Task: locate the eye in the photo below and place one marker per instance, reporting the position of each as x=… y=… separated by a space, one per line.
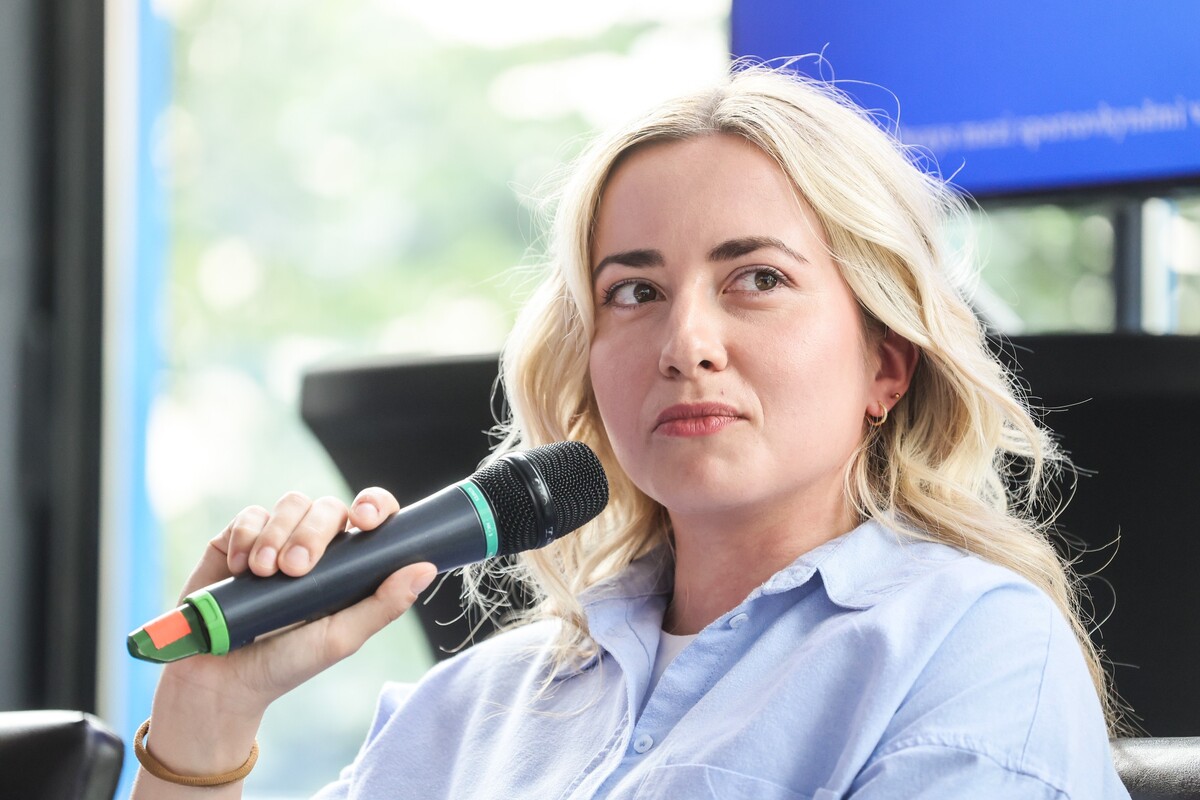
x=759 y=279
x=631 y=293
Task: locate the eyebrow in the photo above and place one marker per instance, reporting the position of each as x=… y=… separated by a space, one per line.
x=725 y=251
x=736 y=248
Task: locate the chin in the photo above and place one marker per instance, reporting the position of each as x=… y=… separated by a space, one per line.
x=702 y=480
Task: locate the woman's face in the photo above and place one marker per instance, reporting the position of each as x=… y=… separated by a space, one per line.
x=729 y=360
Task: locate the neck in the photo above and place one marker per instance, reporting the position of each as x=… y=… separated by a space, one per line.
x=721 y=558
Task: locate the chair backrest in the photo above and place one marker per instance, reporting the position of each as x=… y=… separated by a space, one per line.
x=1126 y=406
x=412 y=427
x=1159 y=769
x=58 y=755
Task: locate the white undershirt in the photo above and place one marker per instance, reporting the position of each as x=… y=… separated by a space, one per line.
x=669 y=646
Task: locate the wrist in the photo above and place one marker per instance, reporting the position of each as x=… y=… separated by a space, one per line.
x=195 y=732
x=164 y=773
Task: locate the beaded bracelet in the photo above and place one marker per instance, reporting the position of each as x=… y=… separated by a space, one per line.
x=155 y=767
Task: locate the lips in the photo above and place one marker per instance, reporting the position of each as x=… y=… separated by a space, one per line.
x=695 y=419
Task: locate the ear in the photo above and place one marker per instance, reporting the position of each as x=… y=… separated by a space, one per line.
x=897 y=363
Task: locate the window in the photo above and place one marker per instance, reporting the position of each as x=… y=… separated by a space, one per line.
x=1046 y=268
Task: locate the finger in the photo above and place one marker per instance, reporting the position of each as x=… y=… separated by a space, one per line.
x=264 y=555
x=241 y=535
x=371 y=507
x=325 y=518
x=297 y=655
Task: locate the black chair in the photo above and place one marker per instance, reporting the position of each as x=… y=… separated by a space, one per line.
x=412 y=427
x=58 y=755
x=1125 y=406
x=1159 y=769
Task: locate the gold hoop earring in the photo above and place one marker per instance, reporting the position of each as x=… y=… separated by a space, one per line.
x=877 y=422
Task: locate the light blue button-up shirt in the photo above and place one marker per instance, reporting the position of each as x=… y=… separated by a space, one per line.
x=875 y=666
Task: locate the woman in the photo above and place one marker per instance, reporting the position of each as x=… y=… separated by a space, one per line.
x=810 y=580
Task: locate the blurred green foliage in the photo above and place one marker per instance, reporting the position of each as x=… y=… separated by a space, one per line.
x=1050 y=265
x=1186 y=256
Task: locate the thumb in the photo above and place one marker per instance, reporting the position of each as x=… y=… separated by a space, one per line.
x=346 y=631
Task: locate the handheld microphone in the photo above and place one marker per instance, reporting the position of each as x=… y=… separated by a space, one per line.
x=521 y=501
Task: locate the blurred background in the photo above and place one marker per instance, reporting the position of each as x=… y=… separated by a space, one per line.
x=200 y=200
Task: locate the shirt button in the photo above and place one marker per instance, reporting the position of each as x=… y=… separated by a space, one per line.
x=642 y=743
x=738 y=620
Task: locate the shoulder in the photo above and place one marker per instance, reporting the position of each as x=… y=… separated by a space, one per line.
x=993 y=668
x=958 y=619
x=877 y=567
x=459 y=708
x=496 y=671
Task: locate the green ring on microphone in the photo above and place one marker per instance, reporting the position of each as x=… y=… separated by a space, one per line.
x=484 y=509
x=214 y=621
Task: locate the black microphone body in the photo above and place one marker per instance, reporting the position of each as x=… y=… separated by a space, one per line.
x=521 y=501
x=444 y=529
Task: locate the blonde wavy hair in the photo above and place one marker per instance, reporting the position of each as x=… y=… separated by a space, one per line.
x=960 y=460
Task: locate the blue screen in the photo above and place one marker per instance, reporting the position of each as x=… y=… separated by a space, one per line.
x=1018 y=97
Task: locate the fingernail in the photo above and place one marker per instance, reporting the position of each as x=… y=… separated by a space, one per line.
x=296 y=558
x=265 y=558
x=422 y=583
x=368 y=510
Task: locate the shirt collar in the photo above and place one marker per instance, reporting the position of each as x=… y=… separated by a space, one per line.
x=860 y=568
x=649 y=575
x=857 y=569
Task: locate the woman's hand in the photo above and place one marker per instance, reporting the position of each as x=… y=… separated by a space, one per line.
x=207 y=708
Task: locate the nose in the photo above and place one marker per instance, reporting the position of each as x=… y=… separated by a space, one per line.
x=693 y=342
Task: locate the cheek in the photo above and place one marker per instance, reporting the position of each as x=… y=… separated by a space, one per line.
x=820 y=385
x=610 y=382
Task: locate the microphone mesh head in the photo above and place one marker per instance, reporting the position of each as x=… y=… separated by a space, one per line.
x=576 y=483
